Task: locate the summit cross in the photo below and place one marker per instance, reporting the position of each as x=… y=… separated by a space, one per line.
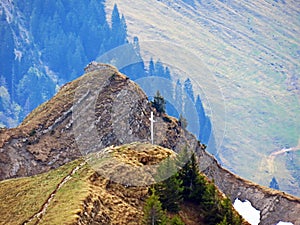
x=152 y=123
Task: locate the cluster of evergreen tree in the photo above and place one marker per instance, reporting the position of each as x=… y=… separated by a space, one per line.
x=184 y=97
x=187 y=185
x=51 y=47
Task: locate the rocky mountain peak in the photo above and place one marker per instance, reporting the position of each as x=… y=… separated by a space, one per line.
x=104 y=108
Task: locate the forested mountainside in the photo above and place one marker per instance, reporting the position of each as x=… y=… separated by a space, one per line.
x=45 y=44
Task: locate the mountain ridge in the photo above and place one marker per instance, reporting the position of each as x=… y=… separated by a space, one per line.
x=46 y=139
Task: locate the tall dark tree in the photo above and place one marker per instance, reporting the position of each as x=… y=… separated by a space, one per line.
x=153 y=212
x=167 y=73
x=274 y=184
x=118 y=28
x=170 y=189
x=159 y=103
x=188 y=88
x=159 y=69
x=151 y=68
x=204 y=121
x=188 y=174
x=178 y=97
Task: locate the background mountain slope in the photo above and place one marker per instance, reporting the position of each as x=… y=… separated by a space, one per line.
x=249 y=56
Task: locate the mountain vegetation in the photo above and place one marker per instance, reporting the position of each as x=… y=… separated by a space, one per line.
x=189 y=186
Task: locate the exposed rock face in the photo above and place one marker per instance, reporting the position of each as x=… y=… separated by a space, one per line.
x=104 y=108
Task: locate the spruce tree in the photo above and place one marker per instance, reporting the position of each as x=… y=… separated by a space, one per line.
x=159 y=69
x=151 y=68
x=159 y=103
x=176 y=220
x=170 y=189
x=188 y=174
x=168 y=73
x=153 y=213
x=274 y=184
x=188 y=88
x=178 y=97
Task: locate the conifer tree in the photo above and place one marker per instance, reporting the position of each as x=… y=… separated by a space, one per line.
x=159 y=69
x=151 y=68
x=274 y=184
x=167 y=73
x=153 y=213
x=178 y=96
x=188 y=88
x=118 y=28
x=159 y=103
x=170 y=189
x=176 y=220
x=188 y=174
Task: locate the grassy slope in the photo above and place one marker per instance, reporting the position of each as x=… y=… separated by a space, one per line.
x=86 y=192
x=244 y=58
x=23 y=197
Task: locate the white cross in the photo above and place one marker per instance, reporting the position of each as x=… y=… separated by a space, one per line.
x=152 y=133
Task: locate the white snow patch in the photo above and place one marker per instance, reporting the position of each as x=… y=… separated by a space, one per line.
x=247 y=211
x=284 y=223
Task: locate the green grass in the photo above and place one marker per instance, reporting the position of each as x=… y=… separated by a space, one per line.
x=68 y=200
x=22 y=198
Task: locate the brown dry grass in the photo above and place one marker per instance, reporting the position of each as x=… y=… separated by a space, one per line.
x=82 y=194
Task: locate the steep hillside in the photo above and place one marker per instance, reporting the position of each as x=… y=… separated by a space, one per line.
x=104 y=108
x=76 y=194
x=248 y=55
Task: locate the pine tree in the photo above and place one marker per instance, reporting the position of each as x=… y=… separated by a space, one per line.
x=151 y=68
x=224 y=222
x=118 y=28
x=274 y=184
x=170 y=189
x=210 y=204
x=153 y=213
x=159 y=69
x=115 y=20
x=178 y=97
x=167 y=73
x=159 y=103
x=188 y=88
x=188 y=174
x=176 y=220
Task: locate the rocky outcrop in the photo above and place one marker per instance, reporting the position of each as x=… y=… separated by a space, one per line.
x=104 y=108
x=274 y=205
